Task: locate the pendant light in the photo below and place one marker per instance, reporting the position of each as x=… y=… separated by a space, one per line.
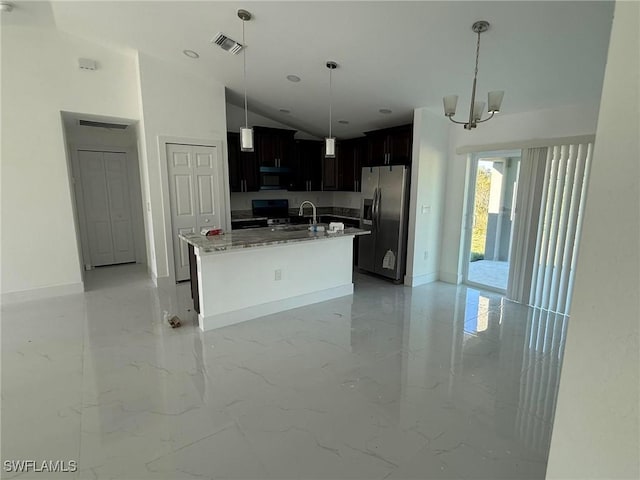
x=330 y=142
x=246 y=133
x=477 y=107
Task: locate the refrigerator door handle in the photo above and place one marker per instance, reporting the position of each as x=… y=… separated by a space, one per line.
x=378 y=206
x=374 y=210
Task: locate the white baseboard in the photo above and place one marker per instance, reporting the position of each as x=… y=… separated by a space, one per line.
x=420 y=279
x=451 y=278
x=42 y=293
x=249 y=313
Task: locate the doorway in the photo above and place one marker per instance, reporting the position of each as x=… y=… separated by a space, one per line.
x=105 y=177
x=492 y=193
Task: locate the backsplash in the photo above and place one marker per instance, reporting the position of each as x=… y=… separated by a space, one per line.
x=242 y=201
x=346 y=199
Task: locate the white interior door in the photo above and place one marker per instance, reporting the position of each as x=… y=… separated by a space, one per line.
x=107 y=207
x=119 y=207
x=195 y=196
x=96 y=207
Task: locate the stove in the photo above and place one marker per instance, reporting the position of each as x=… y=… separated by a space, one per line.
x=276 y=211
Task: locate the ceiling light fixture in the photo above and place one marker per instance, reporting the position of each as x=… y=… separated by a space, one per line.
x=6 y=6
x=385 y=111
x=344 y=122
x=191 y=54
x=284 y=110
x=293 y=78
x=246 y=133
x=476 y=108
x=330 y=142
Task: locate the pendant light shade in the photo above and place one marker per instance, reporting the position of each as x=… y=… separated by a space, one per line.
x=246 y=139
x=478 y=110
x=330 y=147
x=246 y=133
x=495 y=100
x=450 y=103
x=330 y=142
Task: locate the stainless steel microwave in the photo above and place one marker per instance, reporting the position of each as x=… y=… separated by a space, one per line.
x=274 y=178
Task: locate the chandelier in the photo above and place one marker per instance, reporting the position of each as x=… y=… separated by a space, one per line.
x=476 y=108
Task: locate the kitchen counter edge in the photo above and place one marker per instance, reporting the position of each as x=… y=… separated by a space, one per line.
x=260 y=237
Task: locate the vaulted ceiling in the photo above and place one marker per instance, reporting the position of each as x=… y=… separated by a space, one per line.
x=391 y=55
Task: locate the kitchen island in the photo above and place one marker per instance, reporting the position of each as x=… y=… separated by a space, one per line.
x=249 y=273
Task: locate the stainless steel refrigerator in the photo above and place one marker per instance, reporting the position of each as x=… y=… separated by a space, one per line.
x=384 y=211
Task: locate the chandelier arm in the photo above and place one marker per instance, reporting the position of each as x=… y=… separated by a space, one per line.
x=455 y=121
x=489 y=118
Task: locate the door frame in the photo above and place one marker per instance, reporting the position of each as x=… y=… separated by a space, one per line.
x=78 y=197
x=467 y=219
x=162 y=142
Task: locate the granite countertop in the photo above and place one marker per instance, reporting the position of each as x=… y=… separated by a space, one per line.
x=339 y=212
x=261 y=237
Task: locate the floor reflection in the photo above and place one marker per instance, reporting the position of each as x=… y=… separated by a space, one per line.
x=438 y=381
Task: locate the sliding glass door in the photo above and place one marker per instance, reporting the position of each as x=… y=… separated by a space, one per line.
x=491 y=195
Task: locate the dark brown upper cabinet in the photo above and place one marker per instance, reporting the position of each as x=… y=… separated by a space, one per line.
x=273 y=146
x=350 y=162
x=390 y=146
x=330 y=170
x=306 y=175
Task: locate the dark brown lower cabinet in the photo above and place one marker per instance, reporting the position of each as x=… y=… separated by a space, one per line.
x=193 y=270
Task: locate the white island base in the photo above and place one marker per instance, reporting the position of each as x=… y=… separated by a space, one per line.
x=242 y=284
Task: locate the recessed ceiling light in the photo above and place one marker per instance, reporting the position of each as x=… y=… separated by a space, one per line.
x=293 y=78
x=6 y=6
x=385 y=111
x=284 y=110
x=191 y=54
x=344 y=122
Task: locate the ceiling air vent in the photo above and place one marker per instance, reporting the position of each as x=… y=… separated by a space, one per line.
x=226 y=43
x=89 y=123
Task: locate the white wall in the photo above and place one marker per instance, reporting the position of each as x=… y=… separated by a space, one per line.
x=174 y=104
x=40 y=78
x=428 y=174
x=596 y=430
x=235 y=120
x=540 y=124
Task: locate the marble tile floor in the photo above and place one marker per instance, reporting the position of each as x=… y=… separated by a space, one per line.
x=438 y=381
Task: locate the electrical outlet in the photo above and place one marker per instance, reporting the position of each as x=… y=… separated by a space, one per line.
x=426 y=255
x=426 y=209
x=278 y=275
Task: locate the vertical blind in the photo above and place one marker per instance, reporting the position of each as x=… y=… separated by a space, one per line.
x=541 y=362
x=559 y=225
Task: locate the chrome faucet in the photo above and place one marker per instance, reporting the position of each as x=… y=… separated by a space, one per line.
x=312 y=206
